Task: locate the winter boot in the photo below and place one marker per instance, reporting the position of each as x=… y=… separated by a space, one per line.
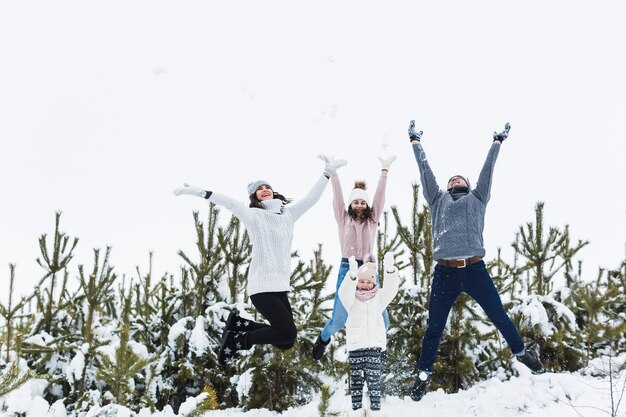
x=238 y=324
x=420 y=386
x=356 y=413
x=318 y=348
x=375 y=413
x=232 y=342
x=532 y=362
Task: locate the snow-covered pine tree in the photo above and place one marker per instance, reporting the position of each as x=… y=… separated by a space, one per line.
x=121 y=370
x=79 y=325
x=53 y=262
x=600 y=307
x=206 y=272
x=9 y=314
x=236 y=248
x=538 y=310
x=545 y=254
x=188 y=361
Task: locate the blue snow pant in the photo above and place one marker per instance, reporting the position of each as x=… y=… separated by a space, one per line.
x=339 y=316
x=448 y=283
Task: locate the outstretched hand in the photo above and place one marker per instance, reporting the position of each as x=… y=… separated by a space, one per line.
x=332 y=164
x=190 y=190
x=502 y=135
x=389 y=262
x=354 y=267
x=413 y=135
x=386 y=163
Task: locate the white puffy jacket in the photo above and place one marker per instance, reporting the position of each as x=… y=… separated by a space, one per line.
x=365 y=327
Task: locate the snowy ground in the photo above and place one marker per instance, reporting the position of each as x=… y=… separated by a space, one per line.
x=542 y=395
x=563 y=394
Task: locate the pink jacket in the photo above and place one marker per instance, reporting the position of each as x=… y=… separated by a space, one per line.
x=357 y=238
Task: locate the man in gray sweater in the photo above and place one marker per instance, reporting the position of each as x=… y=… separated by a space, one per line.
x=458 y=219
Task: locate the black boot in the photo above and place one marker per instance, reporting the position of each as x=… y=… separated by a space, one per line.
x=238 y=324
x=420 y=386
x=318 y=348
x=532 y=362
x=232 y=342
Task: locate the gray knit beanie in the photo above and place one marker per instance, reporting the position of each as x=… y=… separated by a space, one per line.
x=253 y=186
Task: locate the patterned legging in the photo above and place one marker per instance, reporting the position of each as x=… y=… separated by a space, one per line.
x=365 y=365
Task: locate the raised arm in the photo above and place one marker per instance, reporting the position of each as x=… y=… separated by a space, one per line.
x=300 y=207
x=238 y=209
x=391 y=282
x=339 y=207
x=379 y=196
x=428 y=180
x=483 y=186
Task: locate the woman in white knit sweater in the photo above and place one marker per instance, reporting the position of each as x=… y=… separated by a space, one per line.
x=269 y=222
x=366 y=334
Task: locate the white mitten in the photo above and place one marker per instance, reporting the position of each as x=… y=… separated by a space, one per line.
x=354 y=267
x=389 y=262
x=332 y=164
x=191 y=190
x=386 y=163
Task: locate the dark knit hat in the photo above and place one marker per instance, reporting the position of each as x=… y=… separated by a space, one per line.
x=469 y=186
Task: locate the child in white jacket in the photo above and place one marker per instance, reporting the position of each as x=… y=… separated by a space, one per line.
x=366 y=336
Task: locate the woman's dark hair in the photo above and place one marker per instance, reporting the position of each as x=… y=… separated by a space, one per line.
x=368 y=214
x=256 y=203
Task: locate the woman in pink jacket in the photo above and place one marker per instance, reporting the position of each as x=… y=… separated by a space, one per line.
x=357 y=232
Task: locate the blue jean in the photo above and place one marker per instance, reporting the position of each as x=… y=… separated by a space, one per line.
x=339 y=316
x=448 y=283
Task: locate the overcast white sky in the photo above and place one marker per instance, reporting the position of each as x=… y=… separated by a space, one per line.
x=106 y=107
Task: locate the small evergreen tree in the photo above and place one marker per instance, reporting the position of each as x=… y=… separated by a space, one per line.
x=204 y=272
x=236 y=247
x=554 y=252
x=54 y=261
x=9 y=313
x=119 y=373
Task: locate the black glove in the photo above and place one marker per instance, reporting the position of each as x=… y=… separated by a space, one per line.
x=502 y=135
x=412 y=134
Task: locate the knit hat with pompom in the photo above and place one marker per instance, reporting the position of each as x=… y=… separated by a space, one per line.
x=359 y=193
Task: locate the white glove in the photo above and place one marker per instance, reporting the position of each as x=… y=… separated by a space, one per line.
x=191 y=190
x=332 y=165
x=354 y=267
x=386 y=163
x=389 y=262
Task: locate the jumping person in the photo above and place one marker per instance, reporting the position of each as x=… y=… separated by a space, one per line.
x=458 y=216
x=357 y=231
x=366 y=332
x=269 y=220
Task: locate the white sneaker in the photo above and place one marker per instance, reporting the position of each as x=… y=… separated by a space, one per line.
x=375 y=413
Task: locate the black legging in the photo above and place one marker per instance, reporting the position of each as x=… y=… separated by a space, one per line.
x=281 y=332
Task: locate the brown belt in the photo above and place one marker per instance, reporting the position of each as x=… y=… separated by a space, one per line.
x=459 y=263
